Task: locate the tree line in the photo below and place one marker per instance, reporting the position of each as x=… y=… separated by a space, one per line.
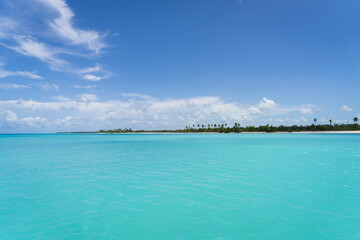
x=237 y=128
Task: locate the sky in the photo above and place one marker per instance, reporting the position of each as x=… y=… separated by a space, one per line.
x=76 y=65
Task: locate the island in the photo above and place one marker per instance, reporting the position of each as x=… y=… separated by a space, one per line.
x=237 y=128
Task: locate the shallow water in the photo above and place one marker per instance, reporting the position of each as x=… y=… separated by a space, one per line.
x=180 y=186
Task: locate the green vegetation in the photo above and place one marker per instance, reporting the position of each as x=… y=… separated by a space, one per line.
x=237 y=128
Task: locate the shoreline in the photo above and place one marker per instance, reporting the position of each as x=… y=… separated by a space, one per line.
x=150 y=132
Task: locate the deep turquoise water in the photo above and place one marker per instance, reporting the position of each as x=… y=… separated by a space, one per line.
x=195 y=186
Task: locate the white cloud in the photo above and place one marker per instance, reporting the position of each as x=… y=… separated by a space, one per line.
x=46 y=87
x=85 y=87
x=92 y=77
x=5 y=73
x=55 y=86
x=10 y=116
x=90 y=69
x=143 y=112
x=27 y=35
x=281 y=121
x=303 y=119
x=306 y=110
x=346 y=108
x=89 y=73
x=136 y=95
x=12 y=86
x=28 y=46
x=267 y=104
x=87 y=97
x=62 y=25
x=33 y=122
x=7 y=25
x=65 y=122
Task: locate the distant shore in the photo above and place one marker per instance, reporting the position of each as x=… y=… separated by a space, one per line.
x=155 y=132
x=357 y=132
x=237 y=128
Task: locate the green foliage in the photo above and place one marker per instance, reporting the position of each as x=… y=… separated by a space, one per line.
x=223 y=128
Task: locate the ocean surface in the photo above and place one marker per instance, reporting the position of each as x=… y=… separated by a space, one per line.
x=180 y=186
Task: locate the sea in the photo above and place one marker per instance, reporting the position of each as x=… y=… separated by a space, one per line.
x=180 y=186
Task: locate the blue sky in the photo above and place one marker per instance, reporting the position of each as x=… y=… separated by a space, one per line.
x=86 y=65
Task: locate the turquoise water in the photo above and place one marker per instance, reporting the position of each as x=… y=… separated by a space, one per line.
x=178 y=186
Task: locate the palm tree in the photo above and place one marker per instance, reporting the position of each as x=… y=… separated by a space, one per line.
x=356 y=119
x=225 y=124
x=237 y=125
x=315 y=121
x=198 y=125
x=330 y=121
